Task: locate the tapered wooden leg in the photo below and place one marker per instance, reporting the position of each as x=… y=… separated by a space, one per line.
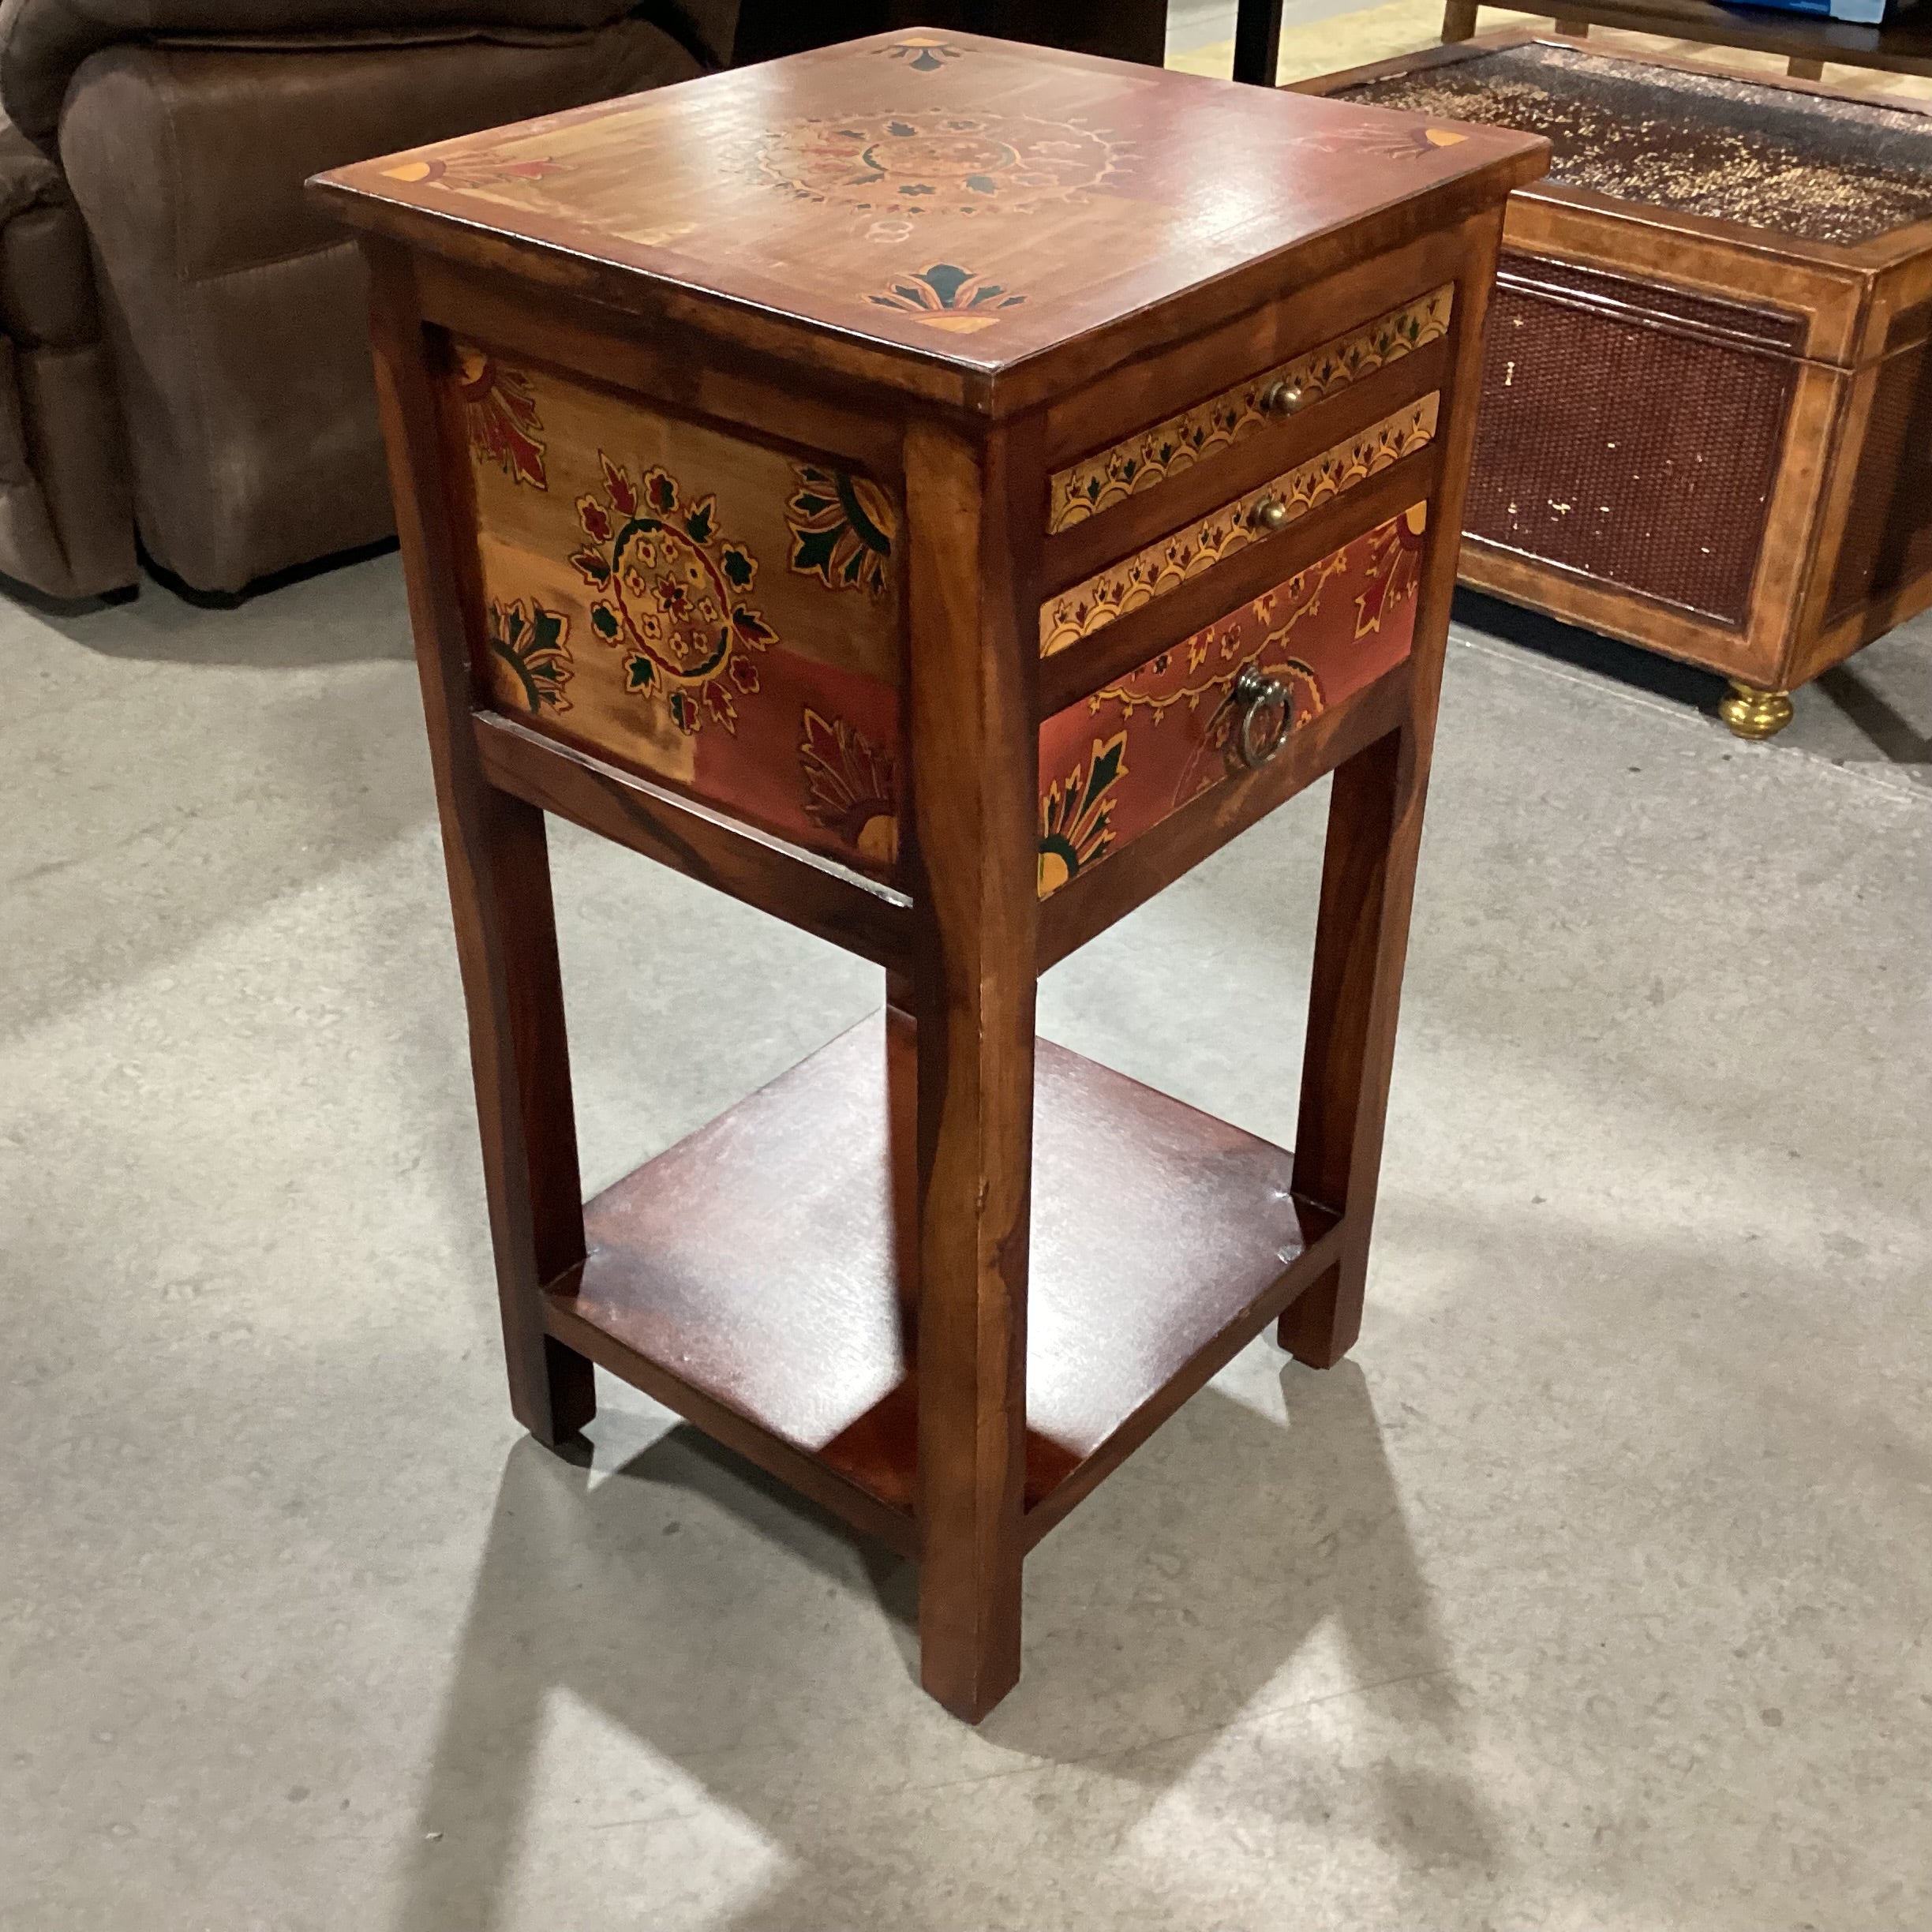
x=498 y=869
x=1367 y=877
x=1458 y=20
x=1375 y=830
x=975 y=802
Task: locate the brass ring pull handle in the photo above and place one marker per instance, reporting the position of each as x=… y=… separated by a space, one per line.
x=1268 y=514
x=1267 y=716
x=1282 y=397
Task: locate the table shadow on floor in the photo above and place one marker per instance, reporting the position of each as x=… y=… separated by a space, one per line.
x=1161 y=1614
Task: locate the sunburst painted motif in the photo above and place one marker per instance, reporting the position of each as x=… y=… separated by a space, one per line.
x=1395 y=567
x=533 y=644
x=949 y=298
x=842 y=528
x=850 y=789
x=1076 y=815
x=464 y=171
x=923 y=52
x=1393 y=143
x=500 y=411
x=675 y=596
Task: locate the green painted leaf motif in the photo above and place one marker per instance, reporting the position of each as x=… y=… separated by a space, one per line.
x=751 y=626
x=641 y=673
x=816 y=549
x=604 y=621
x=549 y=628
x=698 y=525
x=1106 y=768
x=738 y=566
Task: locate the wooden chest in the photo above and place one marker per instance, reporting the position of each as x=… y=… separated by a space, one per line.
x=938 y=492
x=1707 y=423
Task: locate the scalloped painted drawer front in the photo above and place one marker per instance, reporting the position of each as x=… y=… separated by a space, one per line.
x=1116 y=764
x=1162 y=566
x=1146 y=459
x=705 y=610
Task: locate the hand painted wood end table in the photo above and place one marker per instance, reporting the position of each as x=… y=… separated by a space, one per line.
x=937 y=491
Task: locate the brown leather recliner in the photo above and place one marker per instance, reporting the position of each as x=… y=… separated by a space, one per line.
x=182 y=345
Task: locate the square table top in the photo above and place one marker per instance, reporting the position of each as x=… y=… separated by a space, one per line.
x=968 y=200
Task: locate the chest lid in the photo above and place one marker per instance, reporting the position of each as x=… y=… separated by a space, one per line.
x=939 y=208
x=1799 y=162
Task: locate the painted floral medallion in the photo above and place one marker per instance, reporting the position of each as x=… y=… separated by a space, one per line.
x=939 y=162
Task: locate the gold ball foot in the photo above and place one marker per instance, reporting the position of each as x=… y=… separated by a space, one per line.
x=1754 y=714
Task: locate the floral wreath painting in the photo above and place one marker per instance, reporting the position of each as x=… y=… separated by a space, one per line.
x=500 y=409
x=534 y=643
x=850 y=788
x=674 y=597
x=842 y=528
x=1076 y=815
x=937 y=160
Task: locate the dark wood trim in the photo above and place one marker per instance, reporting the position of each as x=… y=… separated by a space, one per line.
x=494 y=853
x=1325 y=1240
x=806 y=1473
x=1095 y=898
x=1078 y=552
x=808 y=890
x=973 y=522
x=679 y=370
x=1072 y=674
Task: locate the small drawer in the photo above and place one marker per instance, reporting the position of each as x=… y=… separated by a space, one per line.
x=1116 y=764
x=700 y=608
x=1149 y=457
x=1092 y=605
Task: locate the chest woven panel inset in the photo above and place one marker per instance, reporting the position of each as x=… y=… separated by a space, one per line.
x=1668 y=501
x=1701 y=143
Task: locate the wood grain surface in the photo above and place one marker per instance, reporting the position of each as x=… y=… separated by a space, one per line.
x=978 y=211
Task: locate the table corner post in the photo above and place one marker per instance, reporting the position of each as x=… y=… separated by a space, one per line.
x=1369 y=867
x=972 y=675
x=497 y=861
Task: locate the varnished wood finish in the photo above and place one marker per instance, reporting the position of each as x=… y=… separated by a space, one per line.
x=1087 y=906
x=939 y=1280
x=975 y=536
x=498 y=872
x=1361 y=937
x=1630 y=266
x=1167 y=1241
x=817 y=894
x=654 y=204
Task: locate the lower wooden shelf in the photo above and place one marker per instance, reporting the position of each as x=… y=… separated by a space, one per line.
x=750 y=1277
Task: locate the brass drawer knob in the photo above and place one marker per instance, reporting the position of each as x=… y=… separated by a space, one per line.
x=1267 y=716
x=1269 y=514
x=1282 y=397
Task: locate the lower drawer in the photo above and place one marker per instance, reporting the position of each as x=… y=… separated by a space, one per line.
x=1116 y=764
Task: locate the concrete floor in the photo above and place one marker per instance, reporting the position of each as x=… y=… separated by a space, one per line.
x=1593 y=1593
